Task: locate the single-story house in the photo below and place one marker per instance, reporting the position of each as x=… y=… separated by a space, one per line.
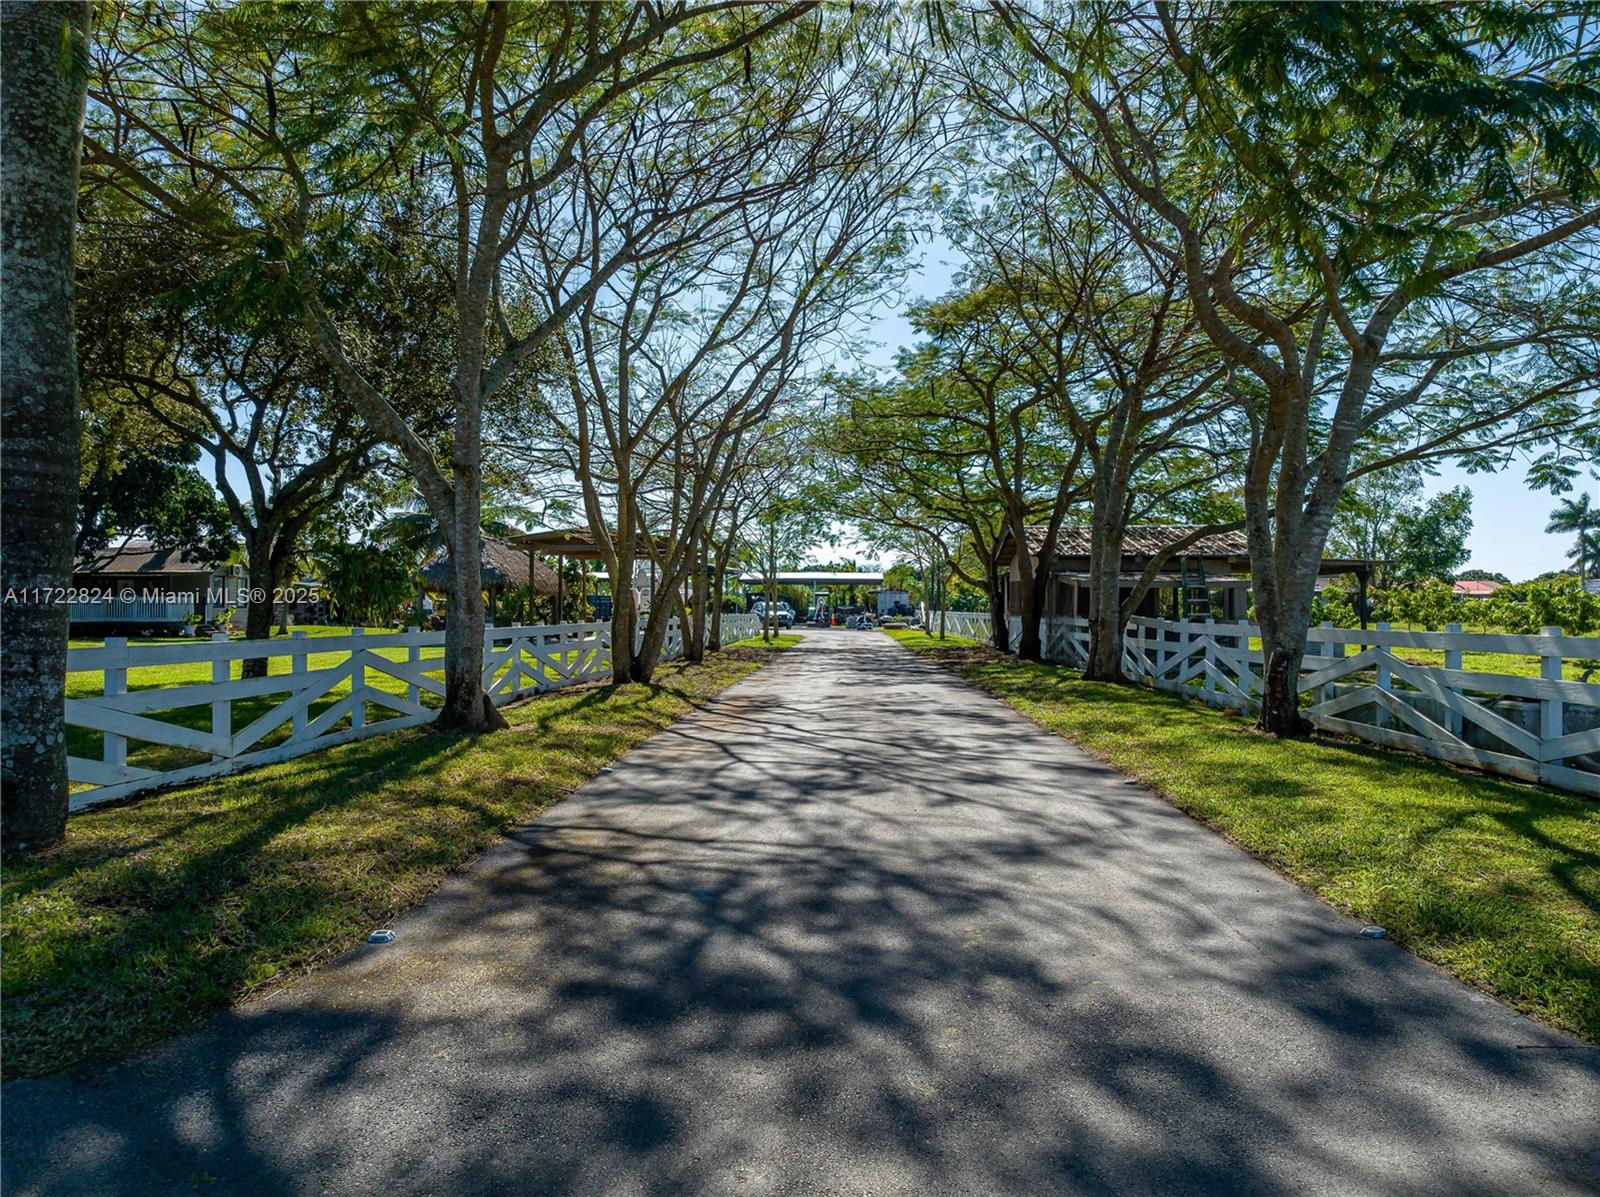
x=1475 y=588
x=136 y=587
x=1211 y=577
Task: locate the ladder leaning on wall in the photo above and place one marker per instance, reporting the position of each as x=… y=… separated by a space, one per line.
x=1196 y=593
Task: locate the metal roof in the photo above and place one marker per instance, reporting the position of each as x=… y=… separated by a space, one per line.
x=142 y=557
x=1145 y=540
x=570 y=542
x=817 y=578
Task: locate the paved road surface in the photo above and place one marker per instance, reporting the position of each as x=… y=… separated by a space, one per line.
x=859 y=929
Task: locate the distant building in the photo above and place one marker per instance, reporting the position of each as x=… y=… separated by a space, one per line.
x=1211 y=577
x=1475 y=588
x=137 y=587
x=894 y=602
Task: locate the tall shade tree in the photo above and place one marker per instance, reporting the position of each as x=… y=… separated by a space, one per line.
x=272 y=127
x=895 y=471
x=792 y=177
x=41 y=123
x=1108 y=339
x=1386 y=218
x=1385 y=518
x=137 y=479
x=176 y=332
x=983 y=373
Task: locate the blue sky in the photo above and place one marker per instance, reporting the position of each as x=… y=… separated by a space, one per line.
x=1508 y=517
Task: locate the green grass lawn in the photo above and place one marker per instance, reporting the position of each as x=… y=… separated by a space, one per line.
x=153 y=914
x=91 y=683
x=1572 y=669
x=1499 y=883
x=1523 y=666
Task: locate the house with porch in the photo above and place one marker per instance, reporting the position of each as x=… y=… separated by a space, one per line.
x=136 y=588
x=1208 y=579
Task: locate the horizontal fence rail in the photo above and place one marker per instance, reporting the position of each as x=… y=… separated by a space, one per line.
x=1360 y=683
x=973 y=625
x=196 y=718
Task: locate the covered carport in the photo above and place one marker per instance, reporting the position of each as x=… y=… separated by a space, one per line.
x=819 y=581
x=576 y=544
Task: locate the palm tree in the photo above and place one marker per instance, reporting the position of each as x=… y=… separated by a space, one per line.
x=1586 y=552
x=415 y=530
x=1577 y=517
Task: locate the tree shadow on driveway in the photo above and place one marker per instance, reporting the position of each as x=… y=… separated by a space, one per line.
x=831 y=935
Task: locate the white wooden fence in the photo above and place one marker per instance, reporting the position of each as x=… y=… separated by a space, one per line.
x=974 y=625
x=1544 y=728
x=291 y=716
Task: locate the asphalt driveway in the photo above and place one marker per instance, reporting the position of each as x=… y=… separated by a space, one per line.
x=855 y=929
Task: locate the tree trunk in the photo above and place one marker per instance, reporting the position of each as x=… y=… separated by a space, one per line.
x=769 y=613
x=1105 y=646
x=648 y=656
x=1280 y=698
x=695 y=633
x=44 y=45
x=1283 y=568
x=258 y=616
x=1285 y=620
x=999 y=625
x=1106 y=622
x=624 y=615
x=666 y=597
x=714 y=639
x=467 y=707
x=1030 y=645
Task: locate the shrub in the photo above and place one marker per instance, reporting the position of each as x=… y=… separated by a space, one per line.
x=1558 y=601
x=1333 y=606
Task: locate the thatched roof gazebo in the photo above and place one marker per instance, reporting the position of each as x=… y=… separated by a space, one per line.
x=503 y=568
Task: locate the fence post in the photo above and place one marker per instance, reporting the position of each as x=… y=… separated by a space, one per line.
x=1211 y=661
x=413 y=656
x=358 y=683
x=1452 y=660
x=488 y=653
x=221 y=708
x=115 y=748
x=1330 y=648
x=1324 y=648
x=1384 y=683
x=1551 y=712
x=1185 y=638
x=297 y=665
x=514 y=646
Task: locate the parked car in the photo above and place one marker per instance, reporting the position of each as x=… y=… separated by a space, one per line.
x=783 y=616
